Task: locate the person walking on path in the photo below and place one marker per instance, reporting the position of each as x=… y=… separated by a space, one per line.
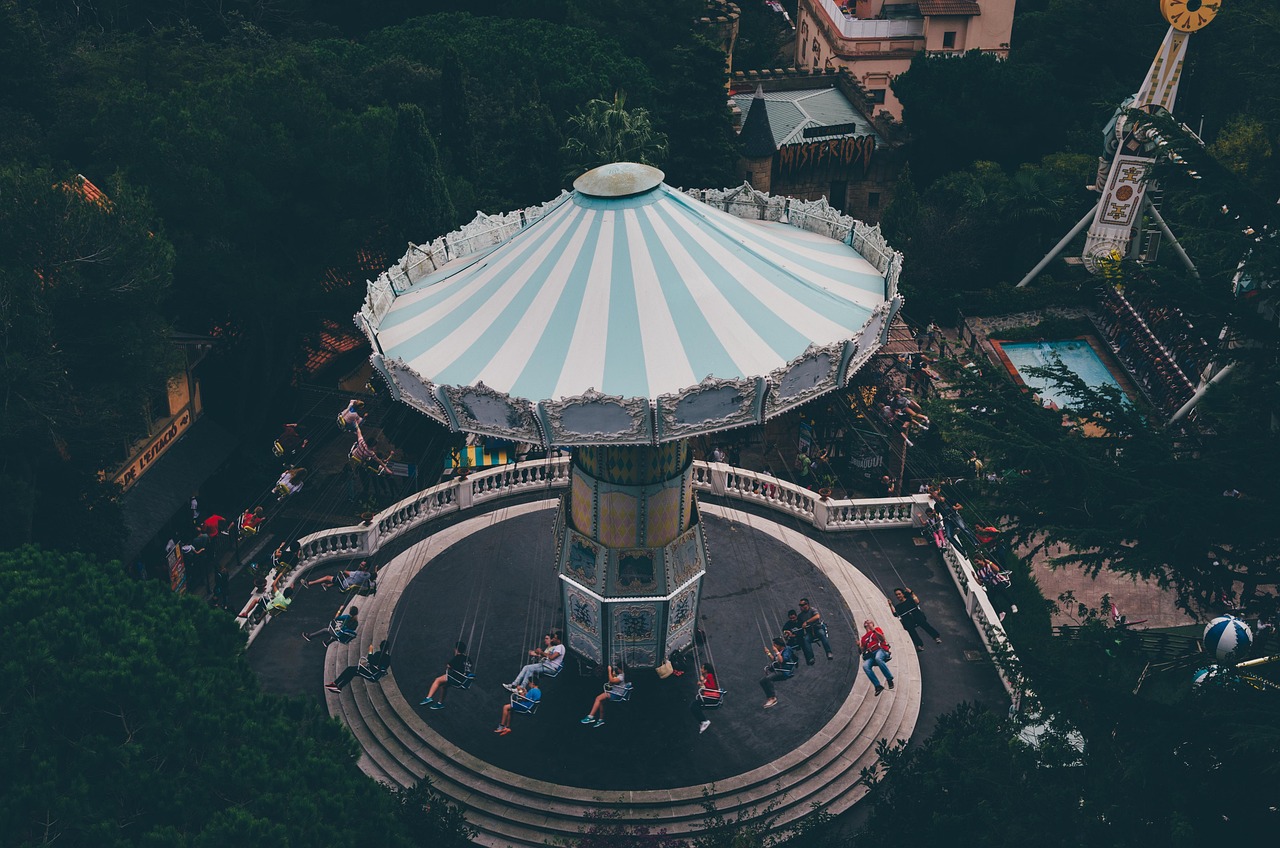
x=875 y=651
x=906 y=608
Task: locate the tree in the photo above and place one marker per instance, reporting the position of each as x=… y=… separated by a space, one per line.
x=84 y=347
x=971 y=776
x=605 y=131
x=130 y=717
x=421 y=206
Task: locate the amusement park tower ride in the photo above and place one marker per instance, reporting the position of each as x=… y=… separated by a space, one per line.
x=1130 y=152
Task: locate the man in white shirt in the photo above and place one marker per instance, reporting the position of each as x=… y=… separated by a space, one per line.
x=549 y=659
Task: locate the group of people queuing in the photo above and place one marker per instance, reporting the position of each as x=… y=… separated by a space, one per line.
x=942 y=524
x=1158 y=344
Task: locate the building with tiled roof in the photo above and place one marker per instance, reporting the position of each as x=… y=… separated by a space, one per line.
x=875 y=40
x=810 y=135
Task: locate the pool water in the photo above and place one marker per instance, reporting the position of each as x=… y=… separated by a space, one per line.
x=1076 y=354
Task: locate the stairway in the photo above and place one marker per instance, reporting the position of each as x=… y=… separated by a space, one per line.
x=509 y=809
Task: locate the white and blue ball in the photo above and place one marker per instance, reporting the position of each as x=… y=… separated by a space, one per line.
x=1227 y=638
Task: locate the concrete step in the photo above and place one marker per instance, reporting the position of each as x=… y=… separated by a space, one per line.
x=509 y=809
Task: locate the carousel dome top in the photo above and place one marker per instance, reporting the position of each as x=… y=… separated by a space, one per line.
x=628 y=312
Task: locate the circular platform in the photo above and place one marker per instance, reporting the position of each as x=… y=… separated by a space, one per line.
x=488 y=580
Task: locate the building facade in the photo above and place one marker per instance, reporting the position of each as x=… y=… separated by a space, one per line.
x=875 y=40
x=810 y=135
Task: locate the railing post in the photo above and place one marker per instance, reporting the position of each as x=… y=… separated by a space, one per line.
x=719 y=478
x=820 y=514
x=462 y=493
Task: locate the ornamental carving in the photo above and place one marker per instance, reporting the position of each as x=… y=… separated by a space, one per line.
x=594 y=418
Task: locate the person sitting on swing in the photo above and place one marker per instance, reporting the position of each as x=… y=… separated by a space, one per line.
x=781 y=663
x=549 y=658
x=458 y=665
x=362 y=577
x=524 y=700
x=251 y=520
x=617 y=684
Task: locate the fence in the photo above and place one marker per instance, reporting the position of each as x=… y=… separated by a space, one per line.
x=714 y=478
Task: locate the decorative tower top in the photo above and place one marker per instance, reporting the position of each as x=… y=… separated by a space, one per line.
x=1189 y=15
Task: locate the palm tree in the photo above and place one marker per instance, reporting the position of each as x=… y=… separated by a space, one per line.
x=606 y=131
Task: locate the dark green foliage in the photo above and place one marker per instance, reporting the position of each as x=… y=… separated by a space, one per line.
x=84 y=347
x=605 y=131
x=971 y=777
x=133 y=719
x=948 y=233
x=421 y=208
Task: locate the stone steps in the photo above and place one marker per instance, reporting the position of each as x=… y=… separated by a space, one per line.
x=509 y=809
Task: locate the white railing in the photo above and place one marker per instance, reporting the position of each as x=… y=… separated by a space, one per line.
x=851 y=27
x=715 y=478
x=982 y=613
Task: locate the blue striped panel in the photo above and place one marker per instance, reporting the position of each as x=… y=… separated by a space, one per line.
x=624 y=371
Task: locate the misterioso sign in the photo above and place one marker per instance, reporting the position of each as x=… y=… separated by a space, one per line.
x=811 y=155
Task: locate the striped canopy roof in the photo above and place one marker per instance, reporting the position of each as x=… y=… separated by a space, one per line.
x=589 y=323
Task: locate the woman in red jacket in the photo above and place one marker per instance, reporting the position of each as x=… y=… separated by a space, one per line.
x=875 y=651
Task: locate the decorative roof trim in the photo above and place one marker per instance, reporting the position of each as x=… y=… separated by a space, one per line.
x=776 y=403
x=751 y=393
x=454 y=400
x=639 y=432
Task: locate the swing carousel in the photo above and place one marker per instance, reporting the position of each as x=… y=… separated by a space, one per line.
x=620 y=321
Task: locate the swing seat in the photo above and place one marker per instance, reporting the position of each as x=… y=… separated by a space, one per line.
x=277 y=448
x=520 y=705
x=618 y=693
x=786 y=669
x=369 y=672
x=460 y=680
x=709 y=699
x=358 y=588
x=343 y=636
x=544 y=674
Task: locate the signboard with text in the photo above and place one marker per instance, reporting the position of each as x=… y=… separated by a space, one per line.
x=160 y=443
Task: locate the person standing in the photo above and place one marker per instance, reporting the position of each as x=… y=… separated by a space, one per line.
x=815 y=630
x=875 y=651
x=906 y=608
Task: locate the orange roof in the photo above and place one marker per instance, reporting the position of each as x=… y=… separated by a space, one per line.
x=88 y=191
x=948 y=7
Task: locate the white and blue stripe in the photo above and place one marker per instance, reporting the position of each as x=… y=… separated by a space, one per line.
x=636 y=297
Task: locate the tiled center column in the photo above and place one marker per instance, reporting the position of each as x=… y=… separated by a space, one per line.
x=631 y=553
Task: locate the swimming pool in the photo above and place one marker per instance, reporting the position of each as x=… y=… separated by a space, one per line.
x=1076 y=354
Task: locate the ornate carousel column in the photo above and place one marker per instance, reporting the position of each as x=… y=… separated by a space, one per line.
x=631 y=552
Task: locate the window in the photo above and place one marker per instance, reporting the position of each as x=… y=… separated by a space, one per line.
x=875 y=95
x=817 y=53
x=873 y=200
x=949 y=40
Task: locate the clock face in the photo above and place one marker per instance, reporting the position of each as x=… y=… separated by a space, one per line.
x=1189 y=15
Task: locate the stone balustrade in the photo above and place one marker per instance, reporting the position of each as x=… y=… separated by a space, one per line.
x=714 y=478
